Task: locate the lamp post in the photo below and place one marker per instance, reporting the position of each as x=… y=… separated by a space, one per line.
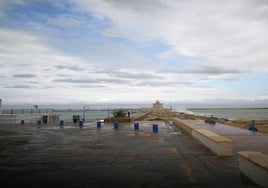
x=84 y=108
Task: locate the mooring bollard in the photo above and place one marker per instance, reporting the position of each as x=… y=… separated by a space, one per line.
x=99 y=124
x=252 y=127
x=81 y=124
x=136 y=126
x=39 y=122
x=115 y=125
x=155 y=128
x=22 y=122
x=61 y=123
x=212 y=120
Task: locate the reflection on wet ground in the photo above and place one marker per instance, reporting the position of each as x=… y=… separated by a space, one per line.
x=50 y=156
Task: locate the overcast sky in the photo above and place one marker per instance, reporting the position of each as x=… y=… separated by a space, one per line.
x=135 y=51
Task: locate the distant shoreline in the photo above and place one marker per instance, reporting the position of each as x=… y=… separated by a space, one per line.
x=110 y=109
x=230 y=108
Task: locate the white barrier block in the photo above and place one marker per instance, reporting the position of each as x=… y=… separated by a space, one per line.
x=218 y=144
x=254 y=165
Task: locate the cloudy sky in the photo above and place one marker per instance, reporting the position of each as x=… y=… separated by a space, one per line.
x=135 y=51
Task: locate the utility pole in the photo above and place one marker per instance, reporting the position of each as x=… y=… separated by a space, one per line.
x=84 y=118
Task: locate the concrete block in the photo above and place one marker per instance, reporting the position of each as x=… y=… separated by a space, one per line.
x=218 y=144
x=185 y=125
x=254 y=165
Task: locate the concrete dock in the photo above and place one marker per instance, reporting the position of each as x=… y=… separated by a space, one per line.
x=244 y=140
x=50 y=156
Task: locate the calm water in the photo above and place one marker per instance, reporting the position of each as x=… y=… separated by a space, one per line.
x=251 y=113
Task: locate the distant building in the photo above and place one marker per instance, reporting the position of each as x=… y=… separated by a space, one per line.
x=51 y=118
x=157 y=106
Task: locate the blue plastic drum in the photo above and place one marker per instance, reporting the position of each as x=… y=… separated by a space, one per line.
x=81 y=123
x=136 y=126
x=116 y=125
x=155 y=128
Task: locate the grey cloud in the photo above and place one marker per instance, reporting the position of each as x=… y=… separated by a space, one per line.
x=47 y=69
x=18 y=87
x=24 y=75
x=74 y=67
x=185 y=83
x=138 y=5
x=24 y=65
x=150 y=84
x=128 y=75
x=33 y=82
x=160 y=84
x=125 y=78
x=112 y=80
x=92 y=86
x=70 y=80
x=213 y=30
x=47 y=87
x=226 y=78
x=101 y=80
x=137 y=75
x=63 y=75
x=213 y=70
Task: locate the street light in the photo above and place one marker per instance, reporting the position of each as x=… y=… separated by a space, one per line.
x=84 y=107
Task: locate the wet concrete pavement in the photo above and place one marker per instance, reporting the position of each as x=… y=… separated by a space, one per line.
x=244 y=140
x=51 y=156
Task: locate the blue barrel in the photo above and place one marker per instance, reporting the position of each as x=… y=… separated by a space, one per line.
x=98 y=124
x=81 y=123
x=115 y=125
x=61 y=122
x=22 y=122
x=39 y=122
x=155 y=128
x=136 y=126
x=252 y=127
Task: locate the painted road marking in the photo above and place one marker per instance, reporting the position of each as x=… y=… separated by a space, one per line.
x=187 y=169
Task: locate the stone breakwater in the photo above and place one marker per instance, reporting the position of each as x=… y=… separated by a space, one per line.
x=163 y=114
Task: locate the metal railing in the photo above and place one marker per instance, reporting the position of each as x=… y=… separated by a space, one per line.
x=27 y=111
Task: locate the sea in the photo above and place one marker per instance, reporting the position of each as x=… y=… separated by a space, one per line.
x=227 y=113
x=97 y=112
x=92 y=112
x=232 y=113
